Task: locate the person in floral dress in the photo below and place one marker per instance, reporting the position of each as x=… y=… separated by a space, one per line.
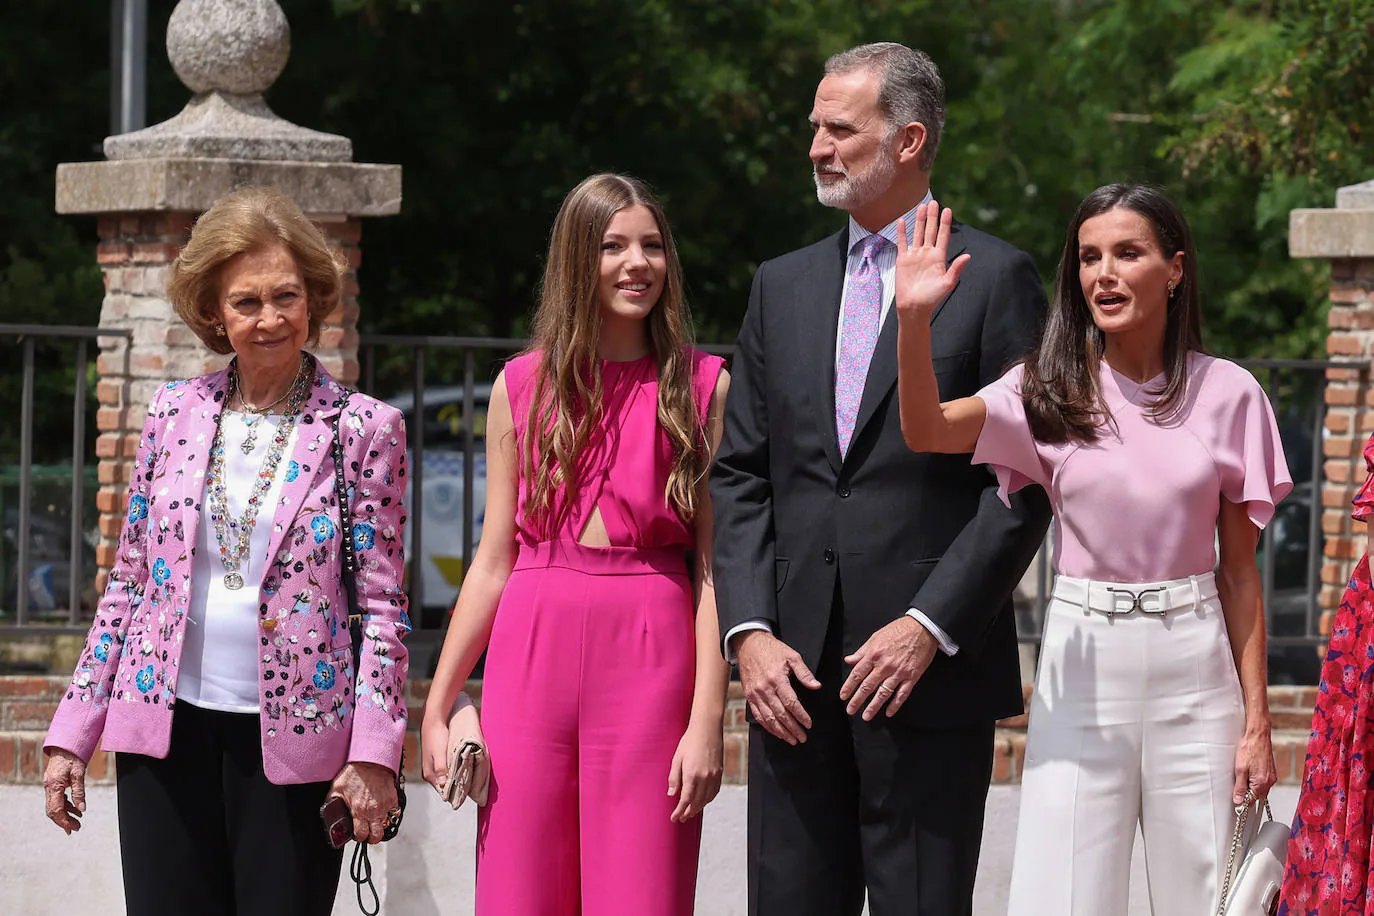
x=1328 y=869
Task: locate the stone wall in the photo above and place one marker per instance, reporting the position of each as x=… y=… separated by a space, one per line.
x=1349 y=423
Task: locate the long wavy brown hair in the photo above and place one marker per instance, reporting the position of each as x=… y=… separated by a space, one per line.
x=1060 y=386
x=567 y=401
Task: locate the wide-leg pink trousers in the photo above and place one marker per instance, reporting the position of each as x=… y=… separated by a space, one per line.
x=587 y=691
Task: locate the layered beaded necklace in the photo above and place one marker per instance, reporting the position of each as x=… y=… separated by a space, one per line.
x=234 y=535
x=251 y=416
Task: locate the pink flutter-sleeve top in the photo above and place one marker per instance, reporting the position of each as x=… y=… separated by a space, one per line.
x=626 y=463
x=1141 y=503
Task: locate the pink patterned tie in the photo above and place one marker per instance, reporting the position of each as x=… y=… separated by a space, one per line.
x=863 y=304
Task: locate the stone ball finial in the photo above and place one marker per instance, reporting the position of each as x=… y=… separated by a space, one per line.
x=234 y=46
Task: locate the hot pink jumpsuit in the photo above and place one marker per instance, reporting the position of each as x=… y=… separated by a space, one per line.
x=589 y=678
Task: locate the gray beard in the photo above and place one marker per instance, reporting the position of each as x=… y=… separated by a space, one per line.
x=853 y=192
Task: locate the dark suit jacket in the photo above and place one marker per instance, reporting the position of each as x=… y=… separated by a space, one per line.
x=899 y=529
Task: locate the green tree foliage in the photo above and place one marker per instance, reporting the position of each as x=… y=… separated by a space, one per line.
x=1279 y=98
x=1243 y=110
x=48 y=273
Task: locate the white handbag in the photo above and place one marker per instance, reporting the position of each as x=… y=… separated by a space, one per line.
x=1254 y=869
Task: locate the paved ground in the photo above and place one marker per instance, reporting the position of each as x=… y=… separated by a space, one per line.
x=428 y=872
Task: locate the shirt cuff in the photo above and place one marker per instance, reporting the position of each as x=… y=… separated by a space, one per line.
x=947 y=645
x=753 y=623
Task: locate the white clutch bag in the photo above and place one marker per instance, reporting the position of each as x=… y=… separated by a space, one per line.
x=469 y=767
x=1254 y=870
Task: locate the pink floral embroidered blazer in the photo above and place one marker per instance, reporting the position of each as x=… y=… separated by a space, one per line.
x=316 y=713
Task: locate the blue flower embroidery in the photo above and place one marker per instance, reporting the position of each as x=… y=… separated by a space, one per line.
x=145 y=679
x=293 y=470
x=323 y=528
x=102 y=648
x=324 y=675
x=160 y=571
x=138 y=508
x=364 y=536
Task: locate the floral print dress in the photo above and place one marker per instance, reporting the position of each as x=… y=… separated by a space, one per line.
x=1328 y=872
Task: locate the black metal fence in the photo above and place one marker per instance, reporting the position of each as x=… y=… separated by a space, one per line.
x=61 y=349
x=441 y=384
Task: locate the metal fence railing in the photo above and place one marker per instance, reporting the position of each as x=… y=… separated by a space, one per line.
x=442 y=384
x=23 y=474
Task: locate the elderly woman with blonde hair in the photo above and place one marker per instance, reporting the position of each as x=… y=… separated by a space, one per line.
x=219 y=667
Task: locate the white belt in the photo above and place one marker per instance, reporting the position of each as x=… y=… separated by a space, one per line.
x=1116 y=599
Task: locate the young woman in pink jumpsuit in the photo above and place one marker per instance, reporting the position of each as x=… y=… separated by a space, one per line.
x=604 y=687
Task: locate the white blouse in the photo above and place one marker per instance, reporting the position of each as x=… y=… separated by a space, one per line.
x=219 y=661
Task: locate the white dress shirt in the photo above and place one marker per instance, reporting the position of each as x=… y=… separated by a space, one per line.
x=887 y=269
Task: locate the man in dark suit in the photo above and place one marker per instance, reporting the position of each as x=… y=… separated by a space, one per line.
x=839 y=551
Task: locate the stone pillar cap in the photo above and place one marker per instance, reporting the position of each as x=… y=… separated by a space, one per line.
x=1347 y=231
x=1356 y=196
x=321 y=189
x=228 y=52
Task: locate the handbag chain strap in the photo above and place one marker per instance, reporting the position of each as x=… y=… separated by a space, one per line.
x=1238 y=843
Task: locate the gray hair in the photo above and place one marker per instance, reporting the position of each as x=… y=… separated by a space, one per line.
x=909 y=87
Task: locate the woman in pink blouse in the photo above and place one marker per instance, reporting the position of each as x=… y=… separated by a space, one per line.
x=1150 y=705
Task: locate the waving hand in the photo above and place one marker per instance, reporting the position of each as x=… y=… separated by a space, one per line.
x=924 y=278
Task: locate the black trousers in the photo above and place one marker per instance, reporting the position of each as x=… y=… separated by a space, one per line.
x=892 y=808
x=203 y=833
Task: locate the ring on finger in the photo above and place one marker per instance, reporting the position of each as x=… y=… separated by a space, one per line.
x=886 y=689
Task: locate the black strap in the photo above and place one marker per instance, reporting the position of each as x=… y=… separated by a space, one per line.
x=350 y=582
x=360 y=868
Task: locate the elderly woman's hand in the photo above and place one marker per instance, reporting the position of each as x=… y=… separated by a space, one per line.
x=369 y=789
x=65 y=771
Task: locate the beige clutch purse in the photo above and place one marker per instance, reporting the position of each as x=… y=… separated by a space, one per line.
x=469 y=768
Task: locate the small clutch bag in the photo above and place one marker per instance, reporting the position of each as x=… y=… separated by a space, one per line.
x=469 y=767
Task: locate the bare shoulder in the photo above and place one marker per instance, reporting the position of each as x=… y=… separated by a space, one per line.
x=722 y=388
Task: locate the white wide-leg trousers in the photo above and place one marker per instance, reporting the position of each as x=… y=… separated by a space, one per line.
x=1135 y=719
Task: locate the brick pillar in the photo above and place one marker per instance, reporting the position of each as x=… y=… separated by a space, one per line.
x=1344 y=236
x=155 y=182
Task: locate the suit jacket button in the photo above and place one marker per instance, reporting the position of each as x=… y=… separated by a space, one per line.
x=829 y=555
x=269 y=623
x=844 y=492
